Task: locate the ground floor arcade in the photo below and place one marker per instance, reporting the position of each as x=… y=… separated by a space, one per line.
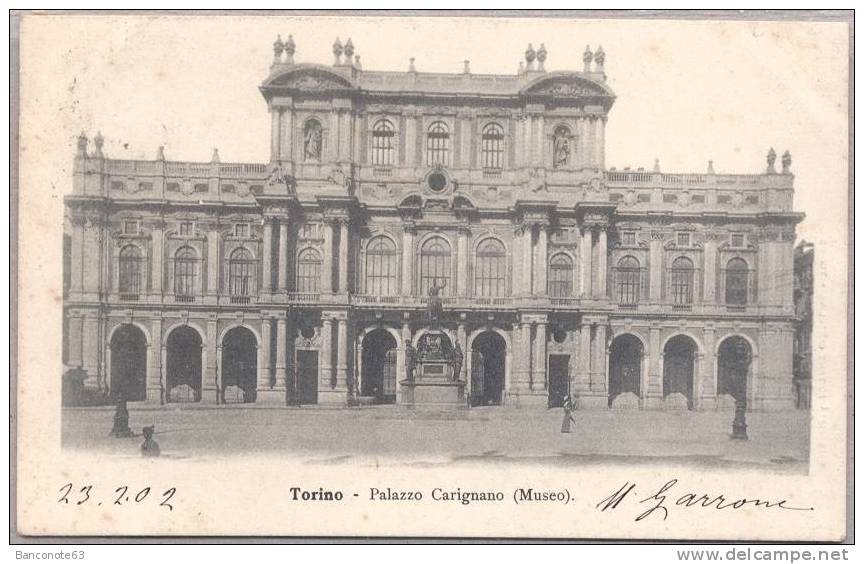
x=517 y=359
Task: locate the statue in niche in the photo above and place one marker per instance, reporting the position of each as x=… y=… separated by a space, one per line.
x=312 y=140
x=561 y=147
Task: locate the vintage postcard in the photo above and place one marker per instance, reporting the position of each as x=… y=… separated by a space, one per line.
x=415 y=275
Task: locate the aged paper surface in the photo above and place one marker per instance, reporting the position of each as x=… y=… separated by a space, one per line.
x=686 y=92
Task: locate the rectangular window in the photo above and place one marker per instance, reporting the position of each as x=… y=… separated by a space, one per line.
x=683 y=239
x=240 y=282
x=309 y=231
x=241 y=230
x=186 y=229
x=628 y=239
x=737 y=240
x=130 y=227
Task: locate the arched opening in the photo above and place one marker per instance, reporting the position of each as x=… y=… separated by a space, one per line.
x=184 y=365
x=679 y=359
x=490 y=269
x=129 y=363
x=378 y=377
x=733 y=366
x=239 y=366
x=488 y=360
x=382 y=267
x=435 y=265
x=625 y=366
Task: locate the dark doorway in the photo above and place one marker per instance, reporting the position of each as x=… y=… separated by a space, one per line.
x=239 y=366
x=307 y=377
x=559 y=379
x=129 y=363
x=679 y=357
x=184 y=365
x=733 y=366
x=625 y=366
x=378 y=380
x=487 y=380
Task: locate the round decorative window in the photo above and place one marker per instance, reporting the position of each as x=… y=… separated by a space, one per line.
x=437 y=182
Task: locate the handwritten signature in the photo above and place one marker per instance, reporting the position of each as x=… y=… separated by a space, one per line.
x=657 y=503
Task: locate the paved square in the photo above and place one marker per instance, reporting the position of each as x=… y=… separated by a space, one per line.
x=778 y=441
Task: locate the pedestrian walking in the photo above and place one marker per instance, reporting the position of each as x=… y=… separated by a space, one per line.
x=568 y=415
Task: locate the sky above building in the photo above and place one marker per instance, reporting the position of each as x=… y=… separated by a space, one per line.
x=687 y=91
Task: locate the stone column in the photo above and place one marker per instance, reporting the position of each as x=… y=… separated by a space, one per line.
x=90 y=349
x=592 y=142
x=275 y=124
x=585 y=263
x=326 y=363
x=600 y=288
x=77 y=258
x=538 y=361
x=282 y=276
x=709 y=277
x=286 y=136
x=264 y=371
x=76 y=335
x=157 y=251
x=155 y=386
x=213 y=261
x=540 y=141
x=327 y=273
x=407 y=260
x=527 y=260
x=410 y=136
x=655 y=257
x=582 y=143
x=542 y=260
x=342 y=354
x=281 y=339
x=708 y=371
x=463 y=252
x=343 y=257
x=522 y=374
x=654 y=382
x=209 y=386
x=599 y=142
x=266 y=255
x=461 y=337
x=598 y=376
x=582 y=384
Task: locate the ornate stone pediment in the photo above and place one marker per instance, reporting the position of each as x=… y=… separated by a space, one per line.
x=309 y=80
x=566 y=85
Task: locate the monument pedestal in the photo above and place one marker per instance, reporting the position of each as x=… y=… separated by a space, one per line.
x=433 y=393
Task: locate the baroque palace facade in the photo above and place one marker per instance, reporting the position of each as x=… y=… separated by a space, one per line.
x=301 y=279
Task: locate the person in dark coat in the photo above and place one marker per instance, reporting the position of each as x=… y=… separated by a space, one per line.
x=568 y=415
x=410 y=360
x=457 y=358
x=149 y=447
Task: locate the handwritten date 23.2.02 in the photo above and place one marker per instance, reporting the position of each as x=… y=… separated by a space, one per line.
x=69 y=494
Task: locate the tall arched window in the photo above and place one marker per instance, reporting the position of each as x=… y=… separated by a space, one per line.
x=681 y=281
x=492 y=146
x=308 y=271
x=382 y=263
x=561 y=276
x=130 y=270
x=241 y=268
x=438 y=144
x=184 y=272
x=737 y=281
x=383 y=146
x=435 y=265
x=490 y=269
x=629 y=275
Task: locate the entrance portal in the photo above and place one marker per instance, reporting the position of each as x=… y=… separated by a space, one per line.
x=239 y=366
x=307 y=377
x=378 y=378
x=679 y=356
x=184 y=365
x=487 y=380
x=625 y=366
x=733 y=366
x=129 y=363
x=559 y=379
